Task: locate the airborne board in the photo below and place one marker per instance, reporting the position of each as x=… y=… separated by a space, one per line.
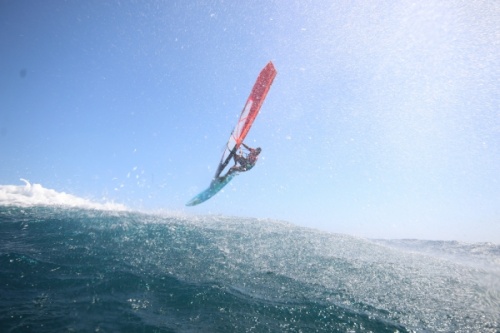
x=240 y=131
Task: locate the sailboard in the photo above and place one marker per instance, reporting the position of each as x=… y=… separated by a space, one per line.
x=248 y=114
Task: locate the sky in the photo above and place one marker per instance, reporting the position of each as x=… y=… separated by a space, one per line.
x=383 y=120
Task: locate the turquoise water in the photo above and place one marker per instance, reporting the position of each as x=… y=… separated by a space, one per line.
x=74 y=270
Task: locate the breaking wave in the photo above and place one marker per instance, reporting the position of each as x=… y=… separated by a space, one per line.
x=31 y=195
x=68 y=264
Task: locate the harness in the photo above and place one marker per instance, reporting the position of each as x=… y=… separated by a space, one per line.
x=247 y=162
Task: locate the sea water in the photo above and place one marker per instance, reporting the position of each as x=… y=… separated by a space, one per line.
x=101 y=269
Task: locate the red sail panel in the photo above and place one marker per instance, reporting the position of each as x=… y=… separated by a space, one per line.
x=248 y=115
x=255 y=101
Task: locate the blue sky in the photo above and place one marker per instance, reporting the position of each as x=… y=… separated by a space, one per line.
x=383 y=120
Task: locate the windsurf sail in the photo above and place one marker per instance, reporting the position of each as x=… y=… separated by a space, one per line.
x=248 y=115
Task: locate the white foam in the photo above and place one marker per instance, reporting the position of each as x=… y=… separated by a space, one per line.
x=36 y=195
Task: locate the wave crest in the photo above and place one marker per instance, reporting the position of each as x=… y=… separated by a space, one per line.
x=36 y=195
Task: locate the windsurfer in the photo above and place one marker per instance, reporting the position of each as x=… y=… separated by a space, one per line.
x=242 y=163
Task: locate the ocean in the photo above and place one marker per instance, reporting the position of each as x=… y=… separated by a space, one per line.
x=73 y=269
x=81 y=270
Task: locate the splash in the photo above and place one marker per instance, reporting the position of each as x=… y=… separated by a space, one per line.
x=36 y=195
